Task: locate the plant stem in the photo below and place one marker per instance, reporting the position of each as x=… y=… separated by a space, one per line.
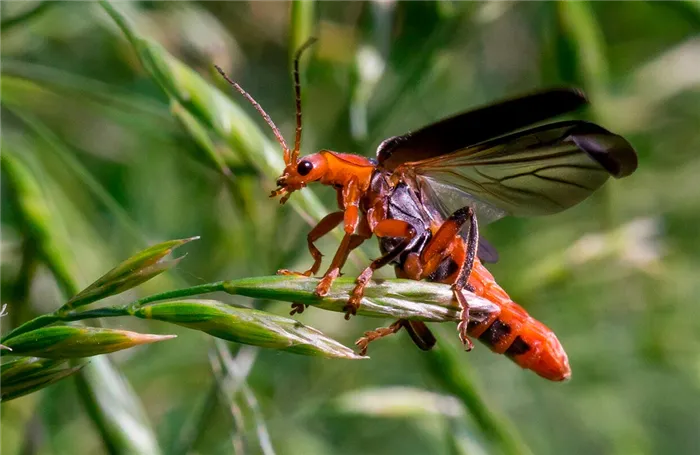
x=403 y=299
x=218 y=286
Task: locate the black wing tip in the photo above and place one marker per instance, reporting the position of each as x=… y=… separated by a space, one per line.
x=576 y=95
x=613 y=152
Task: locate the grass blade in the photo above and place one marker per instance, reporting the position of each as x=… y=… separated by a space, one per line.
x=400 y=299
x=247 y=326
x=70 y=342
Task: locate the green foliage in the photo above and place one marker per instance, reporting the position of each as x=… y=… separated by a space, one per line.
x=112 y=144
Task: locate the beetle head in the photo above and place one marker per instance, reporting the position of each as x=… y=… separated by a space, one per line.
x=298 y=173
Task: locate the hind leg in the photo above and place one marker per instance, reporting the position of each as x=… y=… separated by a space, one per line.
x=448 y=245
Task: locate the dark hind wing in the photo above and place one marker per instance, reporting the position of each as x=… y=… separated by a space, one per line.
x=479 y=125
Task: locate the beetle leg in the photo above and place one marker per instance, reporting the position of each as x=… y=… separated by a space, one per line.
x=447 y=243
x=444 y=237
x=376 y=334
x=472 y=245
x=298 y=308
x=349 y=243
x=386 y=228
x=417 y=330
x=323 y=227
x=420 y=334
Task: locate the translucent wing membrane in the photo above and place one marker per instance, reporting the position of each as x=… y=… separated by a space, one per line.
x=535 y=172
x=476 y=126
x=487 y=252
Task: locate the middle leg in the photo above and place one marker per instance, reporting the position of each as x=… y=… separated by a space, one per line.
x=341 y=256
x=385 y=228
x=418 y=331
x=323 y=227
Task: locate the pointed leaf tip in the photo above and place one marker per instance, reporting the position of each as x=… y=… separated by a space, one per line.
x=68 y=342
x=130 y=273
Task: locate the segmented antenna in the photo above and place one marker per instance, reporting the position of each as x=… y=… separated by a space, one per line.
x=262 y=112
x=297 y=91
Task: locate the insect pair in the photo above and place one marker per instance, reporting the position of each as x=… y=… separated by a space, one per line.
x=425 y=191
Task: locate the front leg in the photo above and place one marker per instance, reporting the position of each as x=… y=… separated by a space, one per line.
x=349 y=243
x=348 y=200
x=323 y=227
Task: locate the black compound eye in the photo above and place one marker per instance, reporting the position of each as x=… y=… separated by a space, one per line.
x=304 y=167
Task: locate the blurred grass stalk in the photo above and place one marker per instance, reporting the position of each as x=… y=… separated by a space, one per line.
x=303 y=22
x=215 y=111
x=369 y=65
x=449 y=368
x=230 y=378
x=114 y=411
x=54 y=144
x=583 y=44
x=28 y=14
x=198 y=421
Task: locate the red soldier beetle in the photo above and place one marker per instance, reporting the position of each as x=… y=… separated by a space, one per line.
x=423 y=194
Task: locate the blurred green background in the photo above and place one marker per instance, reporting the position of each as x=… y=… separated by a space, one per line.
x=615 y=278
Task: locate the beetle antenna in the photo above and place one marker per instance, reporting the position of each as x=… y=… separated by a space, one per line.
x=262 y=112
x=297 y=92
